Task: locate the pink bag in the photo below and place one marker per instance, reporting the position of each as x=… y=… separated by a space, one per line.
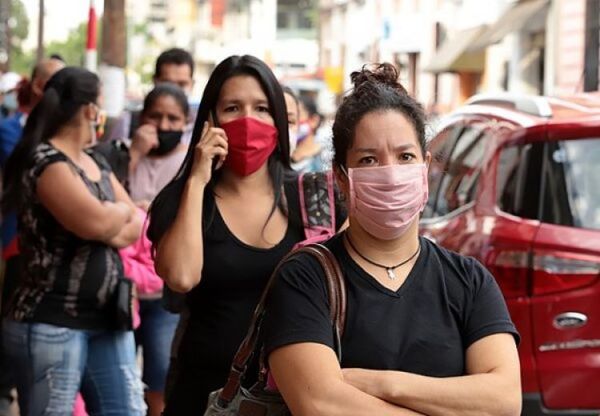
x=317 y=205
x=79 y=408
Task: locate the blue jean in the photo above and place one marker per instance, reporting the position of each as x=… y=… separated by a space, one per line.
x=53 y=363
x=155 y=335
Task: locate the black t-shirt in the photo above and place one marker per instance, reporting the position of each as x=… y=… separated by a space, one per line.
x=233 y=278
x=67 y=281
x=446 y=303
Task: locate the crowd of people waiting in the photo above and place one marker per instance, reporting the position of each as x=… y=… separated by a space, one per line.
x=161 y=235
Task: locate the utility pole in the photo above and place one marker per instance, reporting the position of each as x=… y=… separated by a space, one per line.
x=113 y=56
x=592 y=45
x=91 y=54
x=40 y=48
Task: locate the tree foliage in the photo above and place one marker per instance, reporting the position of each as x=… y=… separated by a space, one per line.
x=18 y=21
x=20 y=28
x=71 y=49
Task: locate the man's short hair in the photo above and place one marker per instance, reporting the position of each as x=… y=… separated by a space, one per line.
x=175 y=56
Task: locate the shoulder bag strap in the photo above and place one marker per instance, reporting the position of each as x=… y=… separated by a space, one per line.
x=337 y=303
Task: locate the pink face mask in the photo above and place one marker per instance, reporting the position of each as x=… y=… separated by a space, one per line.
x=386 y=199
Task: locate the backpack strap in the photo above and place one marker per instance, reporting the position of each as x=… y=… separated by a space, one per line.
x=317 y=203
x=336 y=290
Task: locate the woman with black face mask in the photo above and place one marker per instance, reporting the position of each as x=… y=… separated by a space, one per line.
x=156 y=149
x=156 y=154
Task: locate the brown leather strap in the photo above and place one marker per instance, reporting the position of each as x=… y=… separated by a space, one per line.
x=340 y=286
x=337 y=312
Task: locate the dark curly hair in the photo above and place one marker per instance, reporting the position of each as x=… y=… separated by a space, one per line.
x=375 y=89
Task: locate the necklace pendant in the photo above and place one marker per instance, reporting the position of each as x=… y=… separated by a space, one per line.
x=391 y=273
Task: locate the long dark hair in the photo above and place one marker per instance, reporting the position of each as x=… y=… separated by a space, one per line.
x=375 y=89
x=64 y=94
x=166 y=204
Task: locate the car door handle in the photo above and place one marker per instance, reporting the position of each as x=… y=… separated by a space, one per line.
x=569 y=320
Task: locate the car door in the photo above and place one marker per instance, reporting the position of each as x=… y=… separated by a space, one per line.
x=509 y=232
x=566 y=274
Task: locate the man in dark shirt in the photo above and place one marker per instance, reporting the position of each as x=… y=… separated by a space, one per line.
x=173 y=65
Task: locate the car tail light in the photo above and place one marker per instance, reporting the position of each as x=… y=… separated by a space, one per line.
x=520 y=273
x=557 y=272
x=511 y=270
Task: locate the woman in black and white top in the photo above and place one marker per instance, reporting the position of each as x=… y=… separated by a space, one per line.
x=61 y=331
x=427 y=330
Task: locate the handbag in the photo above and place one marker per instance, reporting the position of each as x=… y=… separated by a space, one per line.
x=317 y=205
x=259 y=400
x=123 y=304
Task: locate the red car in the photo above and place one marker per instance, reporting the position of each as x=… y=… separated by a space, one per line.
x=515 y=182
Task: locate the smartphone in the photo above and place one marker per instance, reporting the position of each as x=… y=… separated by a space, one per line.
x=215 y=122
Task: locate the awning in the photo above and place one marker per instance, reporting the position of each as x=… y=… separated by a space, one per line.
x=453 y=55
x=530 y=15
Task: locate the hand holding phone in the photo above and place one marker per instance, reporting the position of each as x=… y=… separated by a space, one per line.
x=210 y=152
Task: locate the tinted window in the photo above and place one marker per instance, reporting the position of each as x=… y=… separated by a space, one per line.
x=507 y=177
x=440 y=148
x=572 y=176
x=518 y=179
x=459 y=182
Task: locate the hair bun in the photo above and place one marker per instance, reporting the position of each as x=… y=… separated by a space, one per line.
x=384 y=73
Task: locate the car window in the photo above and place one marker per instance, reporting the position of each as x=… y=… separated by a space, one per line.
x=518 y=179
x=572 y=196
x=440 y=148
x=458 y=184
x=507 y=177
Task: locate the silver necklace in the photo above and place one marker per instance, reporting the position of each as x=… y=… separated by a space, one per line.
x=388 y=269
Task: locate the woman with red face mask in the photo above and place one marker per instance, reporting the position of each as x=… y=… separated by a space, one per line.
x=222 y=225
x=427 y=331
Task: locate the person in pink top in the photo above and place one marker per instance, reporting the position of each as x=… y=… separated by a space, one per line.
x=156 y=150
x=156 y=154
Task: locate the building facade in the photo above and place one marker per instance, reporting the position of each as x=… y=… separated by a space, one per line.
x=448 y=50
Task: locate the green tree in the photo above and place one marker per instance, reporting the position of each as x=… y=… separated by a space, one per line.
x=147 y=61
x=73 y=48
x=20 y=61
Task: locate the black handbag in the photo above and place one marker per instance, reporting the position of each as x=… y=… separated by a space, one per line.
x=233 y=399
x=123 y=304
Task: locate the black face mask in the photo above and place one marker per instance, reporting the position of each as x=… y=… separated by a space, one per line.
x=167 y=141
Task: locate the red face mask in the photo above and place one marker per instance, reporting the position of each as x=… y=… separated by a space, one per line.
x=251 y=142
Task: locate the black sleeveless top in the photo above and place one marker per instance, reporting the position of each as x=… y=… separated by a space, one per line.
x=233 y=278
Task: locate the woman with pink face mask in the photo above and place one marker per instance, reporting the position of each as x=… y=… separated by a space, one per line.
x=427 y=330
x=223 y=223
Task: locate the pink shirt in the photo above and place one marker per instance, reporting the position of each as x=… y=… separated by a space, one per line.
x=139 y=266
x=153 y=173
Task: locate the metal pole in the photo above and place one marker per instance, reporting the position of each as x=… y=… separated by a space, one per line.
x=592 y=45
x=91 y=53
x=436 y=76
x=40 y=48
x=113 y=56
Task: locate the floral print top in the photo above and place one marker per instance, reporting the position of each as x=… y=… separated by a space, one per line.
x=66 y=280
